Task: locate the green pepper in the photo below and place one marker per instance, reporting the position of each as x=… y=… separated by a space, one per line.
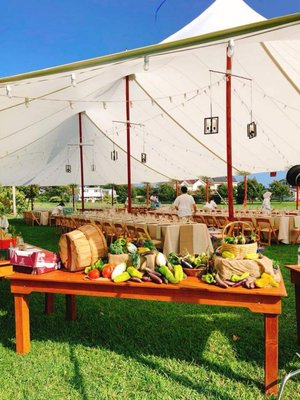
x=237 y=278
x=208 y=278
x=164 y=270
x=178 y=272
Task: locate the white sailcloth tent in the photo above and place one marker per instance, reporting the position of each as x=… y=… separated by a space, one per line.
x=172 y=88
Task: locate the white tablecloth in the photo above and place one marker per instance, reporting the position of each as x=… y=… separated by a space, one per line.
x=4 y=224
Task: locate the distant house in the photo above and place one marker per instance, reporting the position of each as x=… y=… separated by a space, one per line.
x=93 y=193
x=216 y=182
x=194 y=184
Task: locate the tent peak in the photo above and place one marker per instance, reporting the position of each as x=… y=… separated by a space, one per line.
x=221 y=15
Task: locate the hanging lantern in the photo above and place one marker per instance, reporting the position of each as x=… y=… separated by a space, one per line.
x=93 y=167
x=143 y=158
x=68 y=168
x=251 y=130
x=114 y=155
x=211 y=125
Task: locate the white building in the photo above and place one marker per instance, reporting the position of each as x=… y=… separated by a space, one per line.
x=96 y=193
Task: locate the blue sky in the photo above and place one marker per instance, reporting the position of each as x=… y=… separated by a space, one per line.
x=37 y=34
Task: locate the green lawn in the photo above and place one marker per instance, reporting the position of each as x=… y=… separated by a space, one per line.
x=129 y=349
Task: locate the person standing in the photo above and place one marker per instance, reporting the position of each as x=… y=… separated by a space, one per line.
x=266 y=205
x=185 y=204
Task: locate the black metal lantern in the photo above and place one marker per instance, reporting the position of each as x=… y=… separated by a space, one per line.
x=143 y=158
x=251 y=130
x=68 y=168
x=211 y=125
x=114 y=155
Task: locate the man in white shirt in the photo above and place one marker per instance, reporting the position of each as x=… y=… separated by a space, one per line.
x=185 y=204
x=58 y=210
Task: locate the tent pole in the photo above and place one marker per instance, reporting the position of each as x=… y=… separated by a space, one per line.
x=128 y=144
x=245 y=191
x=297 y=197
x=81 y=161
x=73 y=197
x=229 y=54
x=147 y=195
x=177 y=188
x=14 y=201
x=207 y=190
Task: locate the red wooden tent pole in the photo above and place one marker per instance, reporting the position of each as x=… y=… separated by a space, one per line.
x=229 y=54
x=81 y=161
x=147 y=194
x=297 y=197
x=207 y=191
x=245 y=191
x=128 y=144
x=177 y=188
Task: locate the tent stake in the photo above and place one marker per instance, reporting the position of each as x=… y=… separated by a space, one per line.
x=229 y=54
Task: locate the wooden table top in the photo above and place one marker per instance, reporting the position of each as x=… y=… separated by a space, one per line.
x=190 y=283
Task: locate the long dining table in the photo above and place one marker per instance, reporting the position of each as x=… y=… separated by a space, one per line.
x=176 y=237
x=266 y=301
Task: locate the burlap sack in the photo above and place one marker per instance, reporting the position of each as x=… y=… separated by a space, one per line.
x=226 y=267
x=148 y=261
x=118 y=258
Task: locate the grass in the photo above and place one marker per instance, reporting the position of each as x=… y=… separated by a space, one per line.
x=142 y=350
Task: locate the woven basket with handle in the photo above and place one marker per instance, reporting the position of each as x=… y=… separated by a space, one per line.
x=239 y=250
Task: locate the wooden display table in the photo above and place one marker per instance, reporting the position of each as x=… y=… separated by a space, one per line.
x=295 y=278
x=191 y=290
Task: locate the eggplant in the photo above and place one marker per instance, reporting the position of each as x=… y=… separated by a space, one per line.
x=186 y=264
x=150 y=271
x=155 y=278
x=146 y=253
x=220 y=283
x=146 y=279
x=229 y=283
x=135 y=279
x=240 y=283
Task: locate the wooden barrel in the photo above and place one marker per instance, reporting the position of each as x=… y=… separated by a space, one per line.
x=96 y=241
x=82 y=247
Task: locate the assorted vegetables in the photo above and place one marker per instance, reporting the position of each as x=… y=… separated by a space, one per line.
x=146 y=264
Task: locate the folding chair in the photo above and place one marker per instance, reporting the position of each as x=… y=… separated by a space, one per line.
x=109 y=231
x=32 y=218
x=266 y=231
x=286 y=378
x=119 y=229
x=131 y=231
x=142 y=233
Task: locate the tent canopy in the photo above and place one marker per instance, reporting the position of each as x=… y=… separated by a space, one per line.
x=183 y=81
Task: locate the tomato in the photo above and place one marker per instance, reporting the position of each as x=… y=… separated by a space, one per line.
x=94 y=273
x=107 y=270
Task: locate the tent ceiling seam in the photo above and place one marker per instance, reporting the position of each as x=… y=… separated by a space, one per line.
x=182 y=127
x=122 y=149
x=279 y=67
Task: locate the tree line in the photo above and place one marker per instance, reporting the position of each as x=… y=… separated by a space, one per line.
x=27 y=195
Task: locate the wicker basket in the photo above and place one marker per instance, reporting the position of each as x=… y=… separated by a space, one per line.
x=239 y=250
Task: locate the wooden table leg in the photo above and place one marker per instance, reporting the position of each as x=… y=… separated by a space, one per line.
x=297 y=298
x=70 y=307
x=271 y=353
x=49 y=303
x=22 y=323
